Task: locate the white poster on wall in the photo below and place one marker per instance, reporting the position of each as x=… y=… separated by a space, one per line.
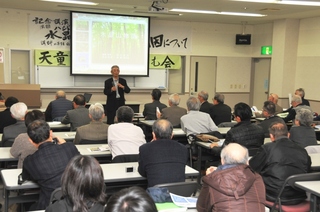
x=49 y=30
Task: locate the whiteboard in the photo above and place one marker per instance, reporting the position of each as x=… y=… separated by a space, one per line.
x=59 y=77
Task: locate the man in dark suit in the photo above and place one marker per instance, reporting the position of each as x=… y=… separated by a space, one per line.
x=47 y=164
x=268 y=111
x=220 y=112
x=205 y=107
x=58 y=108
x=149 y=110
x=5 y=116
x=115 y=88
x=79 y=116
x=162 y=160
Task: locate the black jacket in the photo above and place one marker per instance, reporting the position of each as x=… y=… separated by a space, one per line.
x=246 y=134
x=278 y=160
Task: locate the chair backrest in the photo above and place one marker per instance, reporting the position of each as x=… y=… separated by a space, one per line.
x=85 y=141
x=313 y=149
x=290 y=181
x=125 y=158
x=185 y=189
x=56 y=195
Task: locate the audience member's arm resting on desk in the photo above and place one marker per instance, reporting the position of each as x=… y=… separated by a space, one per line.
x=66 y=119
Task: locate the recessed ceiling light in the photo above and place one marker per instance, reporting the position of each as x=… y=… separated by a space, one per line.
x=218 y=13
x=72 y=2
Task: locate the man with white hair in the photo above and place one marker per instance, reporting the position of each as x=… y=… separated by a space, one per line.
x=297 y=104
x=205 y=106
x=196 y=122
x=96 y=130
x=173 y=113
x=18 y=111
x=232 y=186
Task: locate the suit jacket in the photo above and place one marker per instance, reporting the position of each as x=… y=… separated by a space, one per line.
x=303 y=136
x=96 y=130
x=6 y=119
x=76 y=117
x=206 y=107
x=111 y=100
x=149 y=110
x=58 y=109
x=12 y=131
x=163 y=161
x=265 y=124
x=46 y=166
x=173 y=114
x=220 y=113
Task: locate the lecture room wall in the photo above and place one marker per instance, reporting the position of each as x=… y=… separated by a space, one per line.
x=208 y=39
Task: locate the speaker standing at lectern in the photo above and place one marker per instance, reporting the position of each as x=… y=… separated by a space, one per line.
x=115 y=88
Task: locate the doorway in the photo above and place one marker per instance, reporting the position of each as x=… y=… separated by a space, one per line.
x=260 y=81
x=203 y=75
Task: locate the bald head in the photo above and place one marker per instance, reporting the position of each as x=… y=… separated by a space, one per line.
x=60 y=94
x=162 y=129
x=234 y=153
x=273 y=98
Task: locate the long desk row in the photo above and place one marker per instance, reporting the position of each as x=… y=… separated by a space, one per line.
x=114 y=172
x=86 y=149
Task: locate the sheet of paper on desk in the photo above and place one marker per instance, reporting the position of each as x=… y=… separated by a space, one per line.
x=54 y=123
x=189 y=202
x=98 y=149
x=70 y=134
x=169 y=207
x=317 y=126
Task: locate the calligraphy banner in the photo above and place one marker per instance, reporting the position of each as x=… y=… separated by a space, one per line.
x=166 y=39
x=164 y=61
x=49 y=30
x=52 y=58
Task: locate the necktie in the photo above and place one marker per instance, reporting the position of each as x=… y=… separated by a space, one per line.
x=117 y=92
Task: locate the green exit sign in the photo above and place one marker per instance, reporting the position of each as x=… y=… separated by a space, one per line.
x=266 y=50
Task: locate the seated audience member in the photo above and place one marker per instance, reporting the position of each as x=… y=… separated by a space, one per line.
x=196 y=122
x=96 y=130
x=244 y=132
x=47 y=164
x=302 y=133
x=18 y=111
x=82 y=186
x=268 y=111
x=297 y=104
x=79 y=116
x=58 y=108
x=22 y=147
x=124 y=137
x=300 y=92
x=133 y=199
x=220 y=111
x=149 y=110
x=279 y=159
x=162 y=160
x=205 y=106
x=232 y=186
x=272 y=98
x=5 y=116
x=2 y=102
x=174 y=112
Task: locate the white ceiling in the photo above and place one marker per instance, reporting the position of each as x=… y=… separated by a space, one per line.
x=141 y=7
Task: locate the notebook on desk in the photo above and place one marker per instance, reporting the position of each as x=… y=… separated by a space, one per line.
x=87 y=97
